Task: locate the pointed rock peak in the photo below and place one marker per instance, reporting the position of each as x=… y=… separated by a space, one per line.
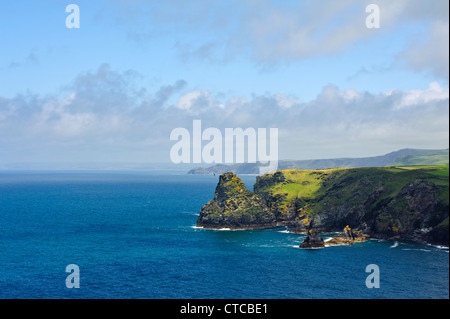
x=234 y=206
x=230 y=185
x=348 y=233
x=313 y=240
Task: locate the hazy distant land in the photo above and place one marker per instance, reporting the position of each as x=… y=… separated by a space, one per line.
x=403 y=157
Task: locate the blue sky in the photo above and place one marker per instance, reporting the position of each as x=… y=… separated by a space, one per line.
x=232 y=61
x=40 y=53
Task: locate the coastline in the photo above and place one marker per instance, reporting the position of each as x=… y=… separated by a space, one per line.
x=332 y=234
x=240 y=227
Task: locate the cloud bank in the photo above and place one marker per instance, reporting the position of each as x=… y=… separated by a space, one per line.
x=107 y=116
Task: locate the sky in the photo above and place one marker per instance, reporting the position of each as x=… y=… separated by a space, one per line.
x=113 y=89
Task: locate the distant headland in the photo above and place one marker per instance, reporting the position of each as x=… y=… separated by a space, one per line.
x=403 y=157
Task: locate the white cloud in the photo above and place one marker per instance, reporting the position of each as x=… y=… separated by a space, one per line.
x=434 y=93
x=337 y=123
x=197 y=102
x=285 y=101
x=350 y=95
x=189 y=100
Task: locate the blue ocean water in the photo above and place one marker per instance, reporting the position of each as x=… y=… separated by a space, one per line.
x=133 y=235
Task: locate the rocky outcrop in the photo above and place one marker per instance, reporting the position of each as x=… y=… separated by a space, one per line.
x=439 y=234
x=312 y=240
x=378 y=202
x=234 y=206
x=410 y=213
x=382 y=204
x=269 y=180
x=348 y=237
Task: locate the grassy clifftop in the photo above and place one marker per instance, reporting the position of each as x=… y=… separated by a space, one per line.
x=410 y=202
x=340 y=184
x=405 y=202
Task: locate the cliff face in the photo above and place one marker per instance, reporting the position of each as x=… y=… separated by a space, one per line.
x=234 y=206
x=402 y=203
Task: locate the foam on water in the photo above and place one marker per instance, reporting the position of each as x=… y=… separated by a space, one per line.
x=394 y=245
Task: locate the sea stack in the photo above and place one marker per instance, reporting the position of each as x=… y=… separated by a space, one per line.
x=235 y=207
x=313 y=240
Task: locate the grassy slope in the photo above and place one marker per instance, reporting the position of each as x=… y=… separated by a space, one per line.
x=338 y=185
x=422 y=160
x=303 y=183
x=433 y=157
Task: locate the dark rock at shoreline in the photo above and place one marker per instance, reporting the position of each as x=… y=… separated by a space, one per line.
x=313 y=240
x=348 y=237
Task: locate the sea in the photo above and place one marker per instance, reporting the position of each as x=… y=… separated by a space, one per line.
x=133 y=235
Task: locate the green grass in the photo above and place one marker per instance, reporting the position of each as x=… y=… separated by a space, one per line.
x=301 y=183
x=440 y=171
x=437 y=159
x=339 y=185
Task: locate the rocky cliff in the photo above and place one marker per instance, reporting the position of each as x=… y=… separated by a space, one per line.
x=234 y=206
x=385 y=202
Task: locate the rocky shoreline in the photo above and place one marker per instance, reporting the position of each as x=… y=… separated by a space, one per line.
x=348 y=237
x=314 y=242
x=414 y=212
